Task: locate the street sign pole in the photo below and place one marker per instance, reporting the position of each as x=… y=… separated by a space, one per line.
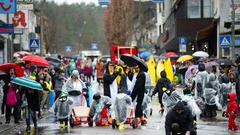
x=232 y=48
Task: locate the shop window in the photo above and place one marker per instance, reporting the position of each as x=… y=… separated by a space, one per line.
x=194 y=8
x=207 y=8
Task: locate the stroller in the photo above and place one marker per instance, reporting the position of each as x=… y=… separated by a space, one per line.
x=124 y=112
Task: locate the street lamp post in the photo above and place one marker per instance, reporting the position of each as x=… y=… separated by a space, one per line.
x=232 y=48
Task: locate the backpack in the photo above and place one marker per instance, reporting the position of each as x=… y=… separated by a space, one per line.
x=11 y=96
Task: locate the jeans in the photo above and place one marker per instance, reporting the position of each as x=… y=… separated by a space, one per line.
x=45 y=100
x=30 y=113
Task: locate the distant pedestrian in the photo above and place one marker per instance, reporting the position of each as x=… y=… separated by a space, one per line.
x=100 y=71
x=33 y=106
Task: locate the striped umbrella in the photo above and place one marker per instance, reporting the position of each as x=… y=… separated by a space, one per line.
x=26 y=82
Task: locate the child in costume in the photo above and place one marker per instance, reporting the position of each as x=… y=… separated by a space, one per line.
x=232 y=111
x=99 y=111
x=63 y=109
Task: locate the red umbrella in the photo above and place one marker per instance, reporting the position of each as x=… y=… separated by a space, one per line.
x=171 y=54
x=18 y=69
x=35 y=59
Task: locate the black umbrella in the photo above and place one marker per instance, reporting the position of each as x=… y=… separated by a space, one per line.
x=225 y=62
x=53 y=61
x=131 y=60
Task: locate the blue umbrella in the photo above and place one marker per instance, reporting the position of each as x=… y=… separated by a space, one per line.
x=26 y=82
x=145 y=55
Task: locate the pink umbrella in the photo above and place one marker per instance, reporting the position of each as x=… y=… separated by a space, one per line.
x=188 y=72
x=21 y=54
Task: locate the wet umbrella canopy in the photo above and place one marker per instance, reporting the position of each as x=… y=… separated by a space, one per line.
x=26 y=82
x=225 y=62
x=18 y=69
x=35 y=59
x=131 y=60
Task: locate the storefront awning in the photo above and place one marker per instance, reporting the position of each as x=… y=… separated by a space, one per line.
x=205 y=32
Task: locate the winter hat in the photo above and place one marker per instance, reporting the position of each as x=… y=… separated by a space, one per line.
x=64 y=94
x=97 y=96
x=75 y=73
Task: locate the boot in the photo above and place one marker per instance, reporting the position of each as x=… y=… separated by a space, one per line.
x=35 y=125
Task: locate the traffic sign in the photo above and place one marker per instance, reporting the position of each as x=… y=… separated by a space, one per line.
x=157 y=1
x=104 y=2
x=68 y=48
x=34 y=43
x=225 y=41
x=182 y=44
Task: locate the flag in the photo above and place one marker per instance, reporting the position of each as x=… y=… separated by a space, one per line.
x=152 y=69
x=160 y=68
x=168 y=69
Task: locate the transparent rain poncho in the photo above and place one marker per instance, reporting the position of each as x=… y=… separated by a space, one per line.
x=192 y=105
x=63 y=108
x=146 y=105
x=96 y=107
x=209 y=96
x=122 y=102
x=169 y=101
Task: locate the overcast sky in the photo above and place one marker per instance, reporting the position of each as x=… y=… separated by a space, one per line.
x=75 y=1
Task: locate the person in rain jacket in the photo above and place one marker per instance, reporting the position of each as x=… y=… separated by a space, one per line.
x=75 y=87
x=179 y=120
x=210 y=97
x=121 y=80
x=224 y=89
x=232 y=112
x=63 y=109
x=98 y=111
x=170 y=98
x=72 y=66
x=201 y=80
x=59 y=82
x=162 y=85
x=121 y=109
x=33 y=106
x=108 y=78
x=138 y=92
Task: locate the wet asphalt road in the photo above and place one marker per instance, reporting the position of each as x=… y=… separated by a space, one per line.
x=155 y=126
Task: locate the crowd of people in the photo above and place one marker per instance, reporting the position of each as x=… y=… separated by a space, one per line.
x=204 y=93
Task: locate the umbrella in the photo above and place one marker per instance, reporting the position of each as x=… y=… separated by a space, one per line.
x=171 y=54
x=184 y=58
x=26 y=82
x=189 y=71
x=18 y=69
x=35 y=59
x=131 y=60
x=225 y=62
x=53 y=61
x=210 y=64
x=201 y=54
x=145 y=55
x=21 y=54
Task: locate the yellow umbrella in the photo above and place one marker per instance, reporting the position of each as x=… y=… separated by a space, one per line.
x=184 y=58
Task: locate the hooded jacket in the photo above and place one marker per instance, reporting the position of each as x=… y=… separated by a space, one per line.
x=163 y=82
x=232 y=106
x=185 y=119
x=107 y=81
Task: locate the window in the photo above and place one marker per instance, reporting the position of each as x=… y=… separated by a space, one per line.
x=194 y=8
x=207 y=8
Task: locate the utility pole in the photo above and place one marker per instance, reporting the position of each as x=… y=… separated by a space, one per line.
x=42 y=27
x=232 y=47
